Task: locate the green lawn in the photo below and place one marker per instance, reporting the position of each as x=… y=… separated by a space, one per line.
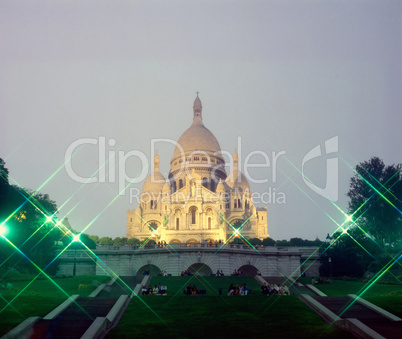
x=22 y=308
x=364 y=289
x=39 y=297
x=176 y=285
x=223 y=317
x=58 y=288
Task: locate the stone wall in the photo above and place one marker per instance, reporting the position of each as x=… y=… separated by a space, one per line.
x=128 y=260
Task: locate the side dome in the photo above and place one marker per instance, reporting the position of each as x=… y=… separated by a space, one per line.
x=238 y=180
x=155 y=181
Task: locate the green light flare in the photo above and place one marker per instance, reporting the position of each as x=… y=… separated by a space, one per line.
x=3 y=230
x=76 y=237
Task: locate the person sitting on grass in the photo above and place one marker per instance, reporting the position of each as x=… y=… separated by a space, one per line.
x=155 y=291
x=194 y=290
x=187 y=290
x=246 y=289
x=231 y=289
x=150 y=289
x=236 y=290
x=264 y=289
x=284 y=290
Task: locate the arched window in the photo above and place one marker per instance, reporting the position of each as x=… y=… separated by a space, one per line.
x=177 y=224
x=180 y=183
x=193 y=211
x=205 y=182
x=238 y=203
x=235 y=203
x=213 y=186
x=209 y=223
x=174 y=186
x=152 y=204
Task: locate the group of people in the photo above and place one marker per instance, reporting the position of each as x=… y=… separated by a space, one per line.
x=238 y=290
x=163 y=274
x=219 y=273
x=158 y=289
x=191 y=290
x=186 y=273
x=161 y=244
x=237 y=273
x=320 y=281
x=270 y=289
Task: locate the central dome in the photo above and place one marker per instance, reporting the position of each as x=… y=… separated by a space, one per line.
x=197 y=137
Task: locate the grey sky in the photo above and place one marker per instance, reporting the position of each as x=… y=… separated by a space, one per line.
x=282 y=75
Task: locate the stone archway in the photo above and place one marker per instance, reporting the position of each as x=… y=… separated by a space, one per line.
x=248 y=270
x=175 y=241
x=192 y=241
x=200 y=269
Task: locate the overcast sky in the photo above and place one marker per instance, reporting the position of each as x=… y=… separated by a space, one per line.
x=279 y=75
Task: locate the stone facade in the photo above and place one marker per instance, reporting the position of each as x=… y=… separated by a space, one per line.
x=130 y=261
x=199 y=201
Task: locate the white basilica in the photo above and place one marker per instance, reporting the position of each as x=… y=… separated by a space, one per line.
x=199 y=201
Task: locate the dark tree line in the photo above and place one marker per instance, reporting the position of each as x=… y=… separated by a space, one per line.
x=30 y=242
x=374 y=238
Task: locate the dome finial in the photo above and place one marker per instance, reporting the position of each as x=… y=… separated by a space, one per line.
x=197 y=108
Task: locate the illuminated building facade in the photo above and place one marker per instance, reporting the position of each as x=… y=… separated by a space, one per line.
x=198 y=201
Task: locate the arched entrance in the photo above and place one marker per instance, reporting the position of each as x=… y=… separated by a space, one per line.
x=200 y=269
x=192 y=241
x=152 y=269
x=175 y=241
x=248 y=270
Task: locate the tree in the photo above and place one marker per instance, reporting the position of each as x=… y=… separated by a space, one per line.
x=268 y=242
x=133 y=241
x=4 y=189
x=283 y=243
x=120 y=241
x=255 y=241
x=351 y=253
x=29 y=230
x=376 y=200
x=105 y=241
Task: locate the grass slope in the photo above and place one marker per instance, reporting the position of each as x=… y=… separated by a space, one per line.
x=38 y=297
x=253 y=316
x=222 y=317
